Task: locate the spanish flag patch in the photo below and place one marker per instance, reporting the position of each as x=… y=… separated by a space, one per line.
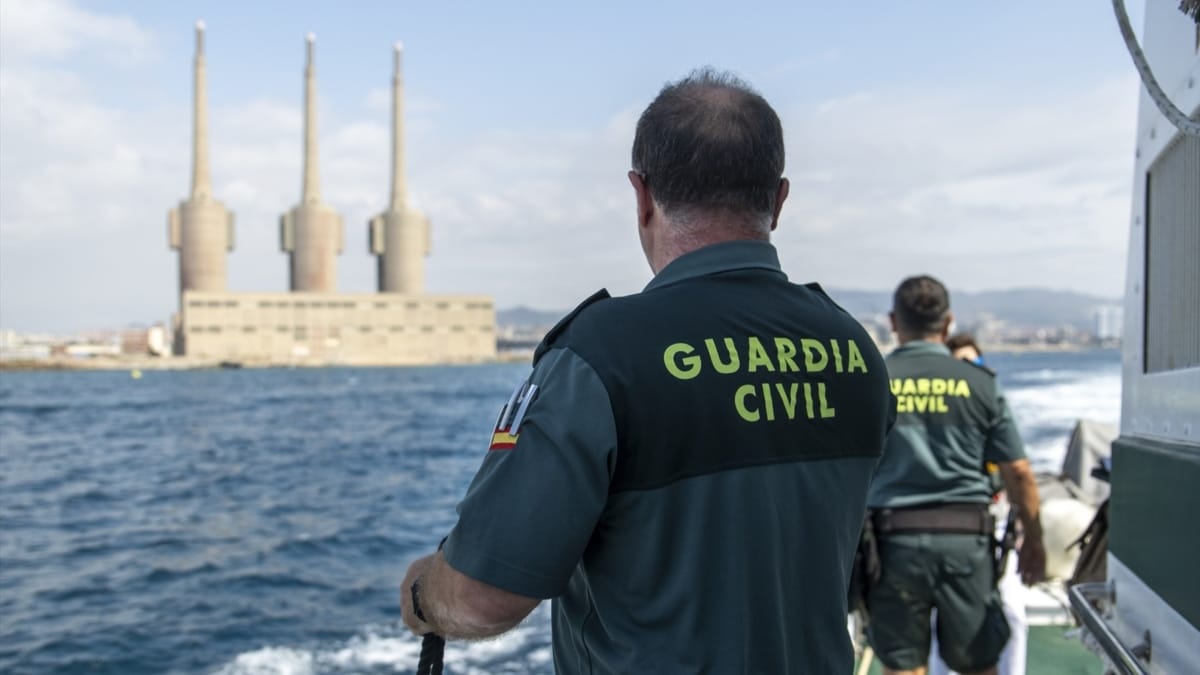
x=502 y=440
x=508 y=424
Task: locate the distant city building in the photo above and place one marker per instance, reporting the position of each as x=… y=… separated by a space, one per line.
x=88 y=350
x=1109 y=322
x=17 y=347
x=144 y=341
x=879 y=328
x=313 y=324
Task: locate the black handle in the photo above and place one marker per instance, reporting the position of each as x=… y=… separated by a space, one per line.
x=433 y=648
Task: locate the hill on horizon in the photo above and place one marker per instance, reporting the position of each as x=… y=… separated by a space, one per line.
x=1024 y=307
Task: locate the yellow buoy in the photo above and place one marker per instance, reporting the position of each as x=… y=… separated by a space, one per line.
x=135 y=374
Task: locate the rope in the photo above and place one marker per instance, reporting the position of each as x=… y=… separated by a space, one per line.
x=433 y=648
x=1168 y=109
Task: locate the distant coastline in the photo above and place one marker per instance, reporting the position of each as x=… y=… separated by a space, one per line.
x=139 y=363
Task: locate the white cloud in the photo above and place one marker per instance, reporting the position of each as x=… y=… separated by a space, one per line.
x=55 y=29
x=70 y=165
x=987 y=193
x=80 y=245
x=894 y=183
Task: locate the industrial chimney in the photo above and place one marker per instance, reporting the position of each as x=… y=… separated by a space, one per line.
x=200 y=228
x=400 y=236
x=311 y=232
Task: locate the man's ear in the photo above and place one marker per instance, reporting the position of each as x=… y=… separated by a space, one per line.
x=892 y=320
x=784 y=187
x=645 y=203
x=946 y=326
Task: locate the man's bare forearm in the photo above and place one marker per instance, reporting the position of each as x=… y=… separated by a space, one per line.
x=1023 y=496
x=1022 y=490
x=456 y=606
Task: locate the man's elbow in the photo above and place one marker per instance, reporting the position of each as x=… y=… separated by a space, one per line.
x=1019 y=471
x=488 y=611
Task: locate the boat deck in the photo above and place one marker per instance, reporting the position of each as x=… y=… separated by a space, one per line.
x=1053 y=646
x=1052 y=650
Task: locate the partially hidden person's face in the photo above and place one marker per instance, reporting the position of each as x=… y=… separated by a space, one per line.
x=968 y=353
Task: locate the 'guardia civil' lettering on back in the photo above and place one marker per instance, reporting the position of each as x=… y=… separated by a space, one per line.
x=769 y=398
x=927 y=394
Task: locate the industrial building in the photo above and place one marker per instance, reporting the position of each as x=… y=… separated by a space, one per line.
x=314 y=324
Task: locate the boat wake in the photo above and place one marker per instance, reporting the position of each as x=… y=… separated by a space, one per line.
x=391 y=649
x=1046 y=413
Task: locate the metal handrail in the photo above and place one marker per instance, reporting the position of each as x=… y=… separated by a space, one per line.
x=1118 y=654
x=1173 y=114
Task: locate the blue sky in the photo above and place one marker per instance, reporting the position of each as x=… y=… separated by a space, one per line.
x=987 y=143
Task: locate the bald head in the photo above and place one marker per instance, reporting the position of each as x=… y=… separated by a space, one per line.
x=711 y=144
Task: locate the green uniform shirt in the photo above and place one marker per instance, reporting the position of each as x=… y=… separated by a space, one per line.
x=952 y=418
x=685 y=473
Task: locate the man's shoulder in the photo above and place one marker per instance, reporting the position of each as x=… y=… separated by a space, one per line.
x=979 y=366
x=939 y=365
x=595 y=321
x=554 y=334
x=974 y=372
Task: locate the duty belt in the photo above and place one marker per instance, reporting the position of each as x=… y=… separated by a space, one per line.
x=935 y=518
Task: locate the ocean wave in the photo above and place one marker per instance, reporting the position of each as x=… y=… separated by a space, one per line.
x=1047 y=414
x=258 y=522
x=525 y=649
x=162 y=574
x=1046 y=375
x=35 y=409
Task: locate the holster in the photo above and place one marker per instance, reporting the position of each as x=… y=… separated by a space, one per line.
x=866 y=570
x=1004 y=545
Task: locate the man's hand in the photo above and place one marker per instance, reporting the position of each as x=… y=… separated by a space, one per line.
x=415 y=571
x=1031 y=561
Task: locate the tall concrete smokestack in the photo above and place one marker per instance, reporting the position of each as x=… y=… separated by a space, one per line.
x=311 y=232
x=200 y=228
x=400 y=236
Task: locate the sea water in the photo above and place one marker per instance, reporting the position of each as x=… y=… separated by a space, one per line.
x=247 y=522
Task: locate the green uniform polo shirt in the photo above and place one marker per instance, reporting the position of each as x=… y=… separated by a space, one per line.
x=685 y=473
x=951 y=419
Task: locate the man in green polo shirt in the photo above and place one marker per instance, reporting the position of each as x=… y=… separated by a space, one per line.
x=929 y=499
x=685 y=471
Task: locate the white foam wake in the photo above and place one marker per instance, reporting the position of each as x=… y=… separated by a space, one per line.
x=1046 y=414
x=389 y=649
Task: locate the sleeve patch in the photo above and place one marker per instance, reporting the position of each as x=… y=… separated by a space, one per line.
x=508 y=424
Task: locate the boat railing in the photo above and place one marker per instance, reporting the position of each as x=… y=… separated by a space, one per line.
x=1088 y=601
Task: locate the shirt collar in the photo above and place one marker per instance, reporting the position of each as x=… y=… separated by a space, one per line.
x=723 y=257
x=922 y=347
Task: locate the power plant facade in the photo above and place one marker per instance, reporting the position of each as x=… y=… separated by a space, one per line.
x=314 y=324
